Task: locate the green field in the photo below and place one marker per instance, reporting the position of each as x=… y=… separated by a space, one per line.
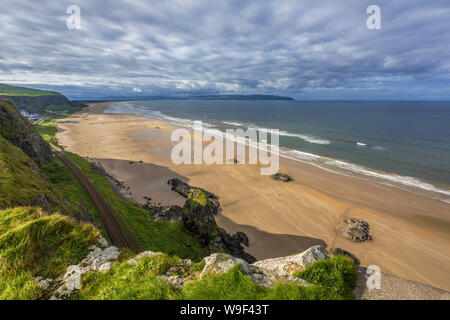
x=8 y=90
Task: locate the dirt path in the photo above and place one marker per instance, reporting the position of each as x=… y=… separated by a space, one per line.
x=112 y=226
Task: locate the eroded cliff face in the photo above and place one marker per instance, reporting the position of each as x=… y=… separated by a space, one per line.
x=20 y=132
x=41 y=103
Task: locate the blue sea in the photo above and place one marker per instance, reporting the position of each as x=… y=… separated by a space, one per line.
x=400 y=143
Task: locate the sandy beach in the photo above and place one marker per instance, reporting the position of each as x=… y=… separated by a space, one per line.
x=411 y=233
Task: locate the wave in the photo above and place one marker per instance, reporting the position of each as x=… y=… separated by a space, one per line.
x=236 y=124
x=329 y=164
x=305 y=137
x=404 y=180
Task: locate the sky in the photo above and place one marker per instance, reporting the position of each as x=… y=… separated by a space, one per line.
x=303 y=49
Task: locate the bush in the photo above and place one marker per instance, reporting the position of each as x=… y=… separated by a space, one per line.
x=338 y=275
x=232 y=285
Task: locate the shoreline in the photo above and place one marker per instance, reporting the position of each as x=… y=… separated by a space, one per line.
x=413 y=184
x=411 y=232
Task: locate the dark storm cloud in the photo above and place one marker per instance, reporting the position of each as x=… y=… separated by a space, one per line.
x=307 y=49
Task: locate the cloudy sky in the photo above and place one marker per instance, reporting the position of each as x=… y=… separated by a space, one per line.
x=306 y=49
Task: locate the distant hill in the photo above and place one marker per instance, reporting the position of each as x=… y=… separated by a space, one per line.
x=238 y=97
x=35 y=101
x=205 y=97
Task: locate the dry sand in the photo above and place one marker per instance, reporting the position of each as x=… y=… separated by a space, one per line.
x=411 y=232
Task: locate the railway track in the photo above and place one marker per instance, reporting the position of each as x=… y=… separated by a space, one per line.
x=106 y=213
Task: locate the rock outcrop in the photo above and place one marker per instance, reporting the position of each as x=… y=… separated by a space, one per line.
x=198 y=219
x=288 y=265
x=281 y=177
x=266 y=272
x=98 y=259
x=185 y=190
x=21 y=133
x=356 y=230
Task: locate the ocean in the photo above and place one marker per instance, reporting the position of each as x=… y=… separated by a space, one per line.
x=400 y=143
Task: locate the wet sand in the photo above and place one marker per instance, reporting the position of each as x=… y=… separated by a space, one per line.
x=411 y=233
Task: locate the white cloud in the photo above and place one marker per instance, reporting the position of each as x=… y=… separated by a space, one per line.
x=165 y=47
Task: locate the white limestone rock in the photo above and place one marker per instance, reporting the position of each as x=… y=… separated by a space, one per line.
x=105 y=267
x=221 y=263
x=286 y=266
x=146 y=254
x=102 y=242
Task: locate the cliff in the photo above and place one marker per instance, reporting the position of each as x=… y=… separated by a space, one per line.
x=35 y=101
x=21 y=133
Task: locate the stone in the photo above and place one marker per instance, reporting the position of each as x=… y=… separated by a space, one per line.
x=221 y=263
x=105 y=267
x=96 y=260
x=282 y=177
x=96 y=257
x=356 y=230
x=285 y=266
x=102 y=242
x=146 y=254
x=241 y=237
x=71 y=281
x=177 y=281
x=44 y=283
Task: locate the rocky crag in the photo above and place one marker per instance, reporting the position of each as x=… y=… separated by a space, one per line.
x=198 y=219
x=21 y=133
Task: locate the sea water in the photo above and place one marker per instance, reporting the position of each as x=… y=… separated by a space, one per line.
x=401 y=143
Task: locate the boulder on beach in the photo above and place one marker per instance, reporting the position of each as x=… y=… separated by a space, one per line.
x=356 y=230
x=282 y=177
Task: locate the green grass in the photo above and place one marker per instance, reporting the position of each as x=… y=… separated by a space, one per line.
x=48 y=129
x=8 y=90
x=22 y=183
x=126 y=281
x=33 y=243
x=338 y=275
x=232 y=285
x=63 y=179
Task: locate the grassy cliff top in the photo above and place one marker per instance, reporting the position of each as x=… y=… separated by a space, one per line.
x=21 y=182
x=33 y=243
x=8 y=90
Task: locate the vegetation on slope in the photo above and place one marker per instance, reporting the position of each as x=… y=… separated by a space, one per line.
x=142 y=281
x=33 y=243
x=22 y=184
x=152 y=234
x=21 y=133
x=8 y=90
x=36 y=101
x=47 y=128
